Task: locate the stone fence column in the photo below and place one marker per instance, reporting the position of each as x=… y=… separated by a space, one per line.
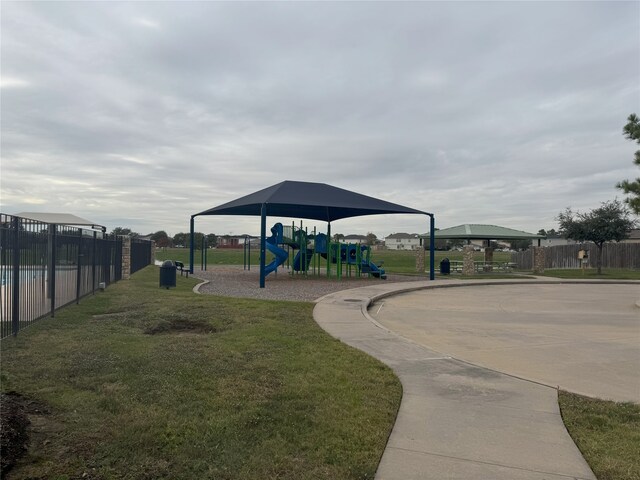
x=538 y=260
x=468 y=267
x=420 y=260
x=126 y=257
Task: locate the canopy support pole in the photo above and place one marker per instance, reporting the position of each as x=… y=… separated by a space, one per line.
x=191 y=243
x=328 y=242
x=263 y=242
x=432 y=246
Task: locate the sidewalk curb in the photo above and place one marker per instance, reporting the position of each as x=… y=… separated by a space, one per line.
x=196 y=289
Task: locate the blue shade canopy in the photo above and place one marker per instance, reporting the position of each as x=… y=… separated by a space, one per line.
x=316 y=201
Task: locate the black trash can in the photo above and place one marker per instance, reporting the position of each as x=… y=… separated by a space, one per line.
x=167 y=274
x=445 y=266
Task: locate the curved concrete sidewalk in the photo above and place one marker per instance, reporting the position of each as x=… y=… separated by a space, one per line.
x=456 y=420
x=583 y=337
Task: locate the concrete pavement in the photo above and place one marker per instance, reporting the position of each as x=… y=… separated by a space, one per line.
x=583 y=338
x=456 y=420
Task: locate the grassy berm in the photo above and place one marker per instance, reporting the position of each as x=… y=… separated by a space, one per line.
x=139 y=382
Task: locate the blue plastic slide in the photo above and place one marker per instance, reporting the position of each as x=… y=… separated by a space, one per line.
x=374 y=270
x=299 y=259
x=271 y=244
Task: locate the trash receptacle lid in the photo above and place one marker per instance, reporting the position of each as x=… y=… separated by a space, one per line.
x=167 y=263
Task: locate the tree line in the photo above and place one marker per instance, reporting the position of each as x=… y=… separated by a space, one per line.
x=181 y=239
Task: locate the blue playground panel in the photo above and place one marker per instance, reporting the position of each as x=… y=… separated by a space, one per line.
x=321 y=244
x=298 y=240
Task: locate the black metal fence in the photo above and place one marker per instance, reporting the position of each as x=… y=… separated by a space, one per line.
x=44 y=267
x=141 y=254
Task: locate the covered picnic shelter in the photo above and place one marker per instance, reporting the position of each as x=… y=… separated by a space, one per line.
x=308 y=200
x=475 y=231
x=488 y=233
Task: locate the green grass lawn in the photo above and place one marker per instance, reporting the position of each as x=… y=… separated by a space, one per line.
x=216 y=256
x=147 y=383
x=607 y=433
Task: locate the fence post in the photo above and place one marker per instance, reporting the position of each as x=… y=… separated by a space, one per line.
x=538 y=260
x=488 y=257
x=79 y=269
x=117 y=265
x=420 y=257
x=94 y=252
x=52 y=267
x=15 y=283
x=106 y=261
x=152 y=252
x=468 y=266
x=204 y=253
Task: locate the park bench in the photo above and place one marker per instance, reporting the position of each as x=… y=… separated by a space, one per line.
x=180 y=266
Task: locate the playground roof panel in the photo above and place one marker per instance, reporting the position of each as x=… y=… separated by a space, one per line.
x=316 y=201
x=470 y=231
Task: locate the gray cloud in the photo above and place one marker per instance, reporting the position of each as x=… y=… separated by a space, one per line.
x=141 y=114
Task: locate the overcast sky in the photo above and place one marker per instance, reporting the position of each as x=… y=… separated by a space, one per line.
x=141 y=114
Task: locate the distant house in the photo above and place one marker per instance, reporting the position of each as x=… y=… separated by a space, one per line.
x=553 y=241
x=227 y=241
x=634 y=236
x=402 y=241
x=355 y=239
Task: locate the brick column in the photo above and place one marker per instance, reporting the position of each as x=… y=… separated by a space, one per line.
x=538 y=259
x=126 y=257
x=467 y=261
x=420 y=260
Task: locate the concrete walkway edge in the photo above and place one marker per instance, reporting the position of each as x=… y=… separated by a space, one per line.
x=457 y=420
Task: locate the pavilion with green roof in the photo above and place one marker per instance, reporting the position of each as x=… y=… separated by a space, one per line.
x=474 y=231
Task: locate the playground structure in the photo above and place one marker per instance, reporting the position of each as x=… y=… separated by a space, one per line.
x=312 y=251
x=314 y=201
